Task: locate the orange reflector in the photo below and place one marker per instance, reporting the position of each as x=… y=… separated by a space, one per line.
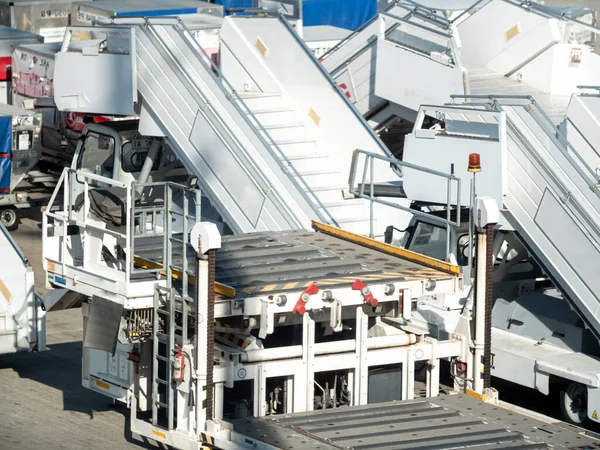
x=102 y=384
x=159 y=434
x=474 y=163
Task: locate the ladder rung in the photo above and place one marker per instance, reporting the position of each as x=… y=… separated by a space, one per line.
x=163 y=337
x=162 y=311
x=161 y=381
x=179 y=241
x=161 y=404
x=162 y=358
x=187 y=298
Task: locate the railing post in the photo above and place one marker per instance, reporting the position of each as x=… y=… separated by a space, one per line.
x=371 y=206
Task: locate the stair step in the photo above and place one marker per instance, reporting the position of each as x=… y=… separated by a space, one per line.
x=271 y=116
x=262 y=100
x=286 y=132
x=329 y=193
x=308 y=163
x=278 y=126
x=320 y=177
x=319 y=172
x=285 y=142
x=254 y=94
x=297 y=147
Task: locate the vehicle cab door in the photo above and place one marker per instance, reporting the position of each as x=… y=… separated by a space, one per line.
x=97 y=153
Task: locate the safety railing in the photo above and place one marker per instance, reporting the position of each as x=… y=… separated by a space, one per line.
x=368 y=160
x=158 y=211
x=76 y=181
x=164 y=219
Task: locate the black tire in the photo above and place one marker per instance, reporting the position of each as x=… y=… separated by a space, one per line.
x=573 y=403
x=10 y=218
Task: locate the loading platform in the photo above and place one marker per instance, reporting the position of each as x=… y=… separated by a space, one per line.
x=449 y=421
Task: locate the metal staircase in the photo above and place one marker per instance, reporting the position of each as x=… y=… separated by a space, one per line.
x=240 y=168
x=371 y=63
x=307 y=116
x=549 y=193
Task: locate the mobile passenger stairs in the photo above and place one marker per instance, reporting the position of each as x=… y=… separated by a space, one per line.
x=505 y=47
x=288 y=144
x=547 y=187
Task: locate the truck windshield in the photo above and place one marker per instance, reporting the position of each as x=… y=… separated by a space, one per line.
x=97 y=154
x=429 y=240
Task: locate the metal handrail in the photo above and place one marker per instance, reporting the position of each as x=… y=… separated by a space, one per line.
x=542 y=9
x=166 y=210
x=66 y=179
x=426 y=13
x=418 y=25
x=469 y=9
x=351 y=36
x=369 y=167
x=535 y=8
x=246 y=113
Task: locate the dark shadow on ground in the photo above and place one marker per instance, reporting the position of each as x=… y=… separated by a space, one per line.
x=60 y=367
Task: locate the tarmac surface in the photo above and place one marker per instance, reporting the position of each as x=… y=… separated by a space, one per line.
x=42 y=403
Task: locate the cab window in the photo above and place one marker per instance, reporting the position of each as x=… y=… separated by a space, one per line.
x=97 y=154
x=429 y=240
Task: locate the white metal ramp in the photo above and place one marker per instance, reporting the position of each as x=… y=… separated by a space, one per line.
x=549 y=194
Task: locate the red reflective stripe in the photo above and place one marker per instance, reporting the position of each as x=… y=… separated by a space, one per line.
x=4 y=190
x=5 y=68
x=4 y=155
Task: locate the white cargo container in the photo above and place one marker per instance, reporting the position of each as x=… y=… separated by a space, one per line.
x=9 y=39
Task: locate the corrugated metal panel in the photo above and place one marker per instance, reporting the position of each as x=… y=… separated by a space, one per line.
x=446 y=422
x=284 y=260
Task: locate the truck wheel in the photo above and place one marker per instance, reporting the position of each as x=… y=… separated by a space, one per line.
x=573 y=403
x=10 y=218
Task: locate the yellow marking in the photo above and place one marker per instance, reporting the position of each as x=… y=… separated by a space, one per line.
x=262 y=48
x=291 y=285
x=5 y=291
x=102 y=384
x=245 y=344
x=269 y=287
x=51 y=266
x=512 y=33
x=220 y=288
x=475 y=395
x=314 y=116
x=159 y=434
x=248 y=289
x=387 y=248
x=595 y=415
